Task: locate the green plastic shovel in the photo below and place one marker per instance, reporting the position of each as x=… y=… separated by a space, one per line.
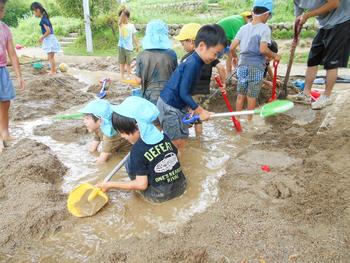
x=269 y=109
x=74 y=116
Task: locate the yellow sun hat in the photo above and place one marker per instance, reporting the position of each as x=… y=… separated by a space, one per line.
x=246 y=13
x=188 y=31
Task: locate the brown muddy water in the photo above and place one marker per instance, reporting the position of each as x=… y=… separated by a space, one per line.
x=127 y=214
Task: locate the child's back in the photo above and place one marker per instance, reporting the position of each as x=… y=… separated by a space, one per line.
x=250 y=37
x=154 y=67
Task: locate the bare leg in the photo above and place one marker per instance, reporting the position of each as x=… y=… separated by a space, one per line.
x=332 y=75
x=51 y=58
x=311 y=73
x=128 y=68
x=240 y=102
x=122 y=70
x=4 y=120
x=198 y=129
x=251 y=106
x=180 y=145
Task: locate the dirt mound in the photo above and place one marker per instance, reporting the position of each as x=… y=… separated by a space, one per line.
x=105 y=64
x=47 y=95
x=116 y=91
x=31 y=202
x=65 y=131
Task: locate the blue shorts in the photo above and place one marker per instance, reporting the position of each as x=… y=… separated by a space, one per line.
x=249 y=81
x=170 y=119
x=50 y=44
x=7 y=91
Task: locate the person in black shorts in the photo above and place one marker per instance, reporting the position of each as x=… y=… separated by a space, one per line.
x=330 y=47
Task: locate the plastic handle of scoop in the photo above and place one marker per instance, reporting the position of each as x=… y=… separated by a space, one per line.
x=116 y=169
x=234 y=113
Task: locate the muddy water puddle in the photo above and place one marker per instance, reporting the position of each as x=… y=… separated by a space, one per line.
x=127 y=214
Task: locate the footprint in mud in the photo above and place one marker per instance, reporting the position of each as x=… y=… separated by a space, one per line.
x=278 y=190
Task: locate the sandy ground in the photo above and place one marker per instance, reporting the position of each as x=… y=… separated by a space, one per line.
x=297 y=212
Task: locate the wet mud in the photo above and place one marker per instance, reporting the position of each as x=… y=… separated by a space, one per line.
x=32 y=204
x=47 y=95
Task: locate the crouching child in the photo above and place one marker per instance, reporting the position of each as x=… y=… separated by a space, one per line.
x=97 y=119
x=153 y=166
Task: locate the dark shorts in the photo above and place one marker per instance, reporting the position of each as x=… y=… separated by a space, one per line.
x=331 y=47
x=152 y=95
x=158 y=195
x=124 y=56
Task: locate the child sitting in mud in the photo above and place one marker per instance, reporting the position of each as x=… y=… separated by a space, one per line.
x=156 y=63
x=49 y=41
x=7 y=91
x=153 y=166
x=126 y=43
x=176 y=100
x=97 y=120
x=253 y=39
x=201 y=90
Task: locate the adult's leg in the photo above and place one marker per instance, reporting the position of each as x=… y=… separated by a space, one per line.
x=310 y=75
x=4 y=120
x=332 y=75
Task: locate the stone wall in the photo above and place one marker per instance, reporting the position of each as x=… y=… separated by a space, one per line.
x=175 y=28
x=184 y=6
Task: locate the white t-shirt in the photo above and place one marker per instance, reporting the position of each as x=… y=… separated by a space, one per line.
x=126 y=33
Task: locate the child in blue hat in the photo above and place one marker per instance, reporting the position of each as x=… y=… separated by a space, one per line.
x=156 y=63
x=153 y=166
x=97 y=119
x=253 y=39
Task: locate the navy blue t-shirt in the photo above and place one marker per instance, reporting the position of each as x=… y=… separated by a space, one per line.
x=45 y=21
x=158 y=162
x=177 y=91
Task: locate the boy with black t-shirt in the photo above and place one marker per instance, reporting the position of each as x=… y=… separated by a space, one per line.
x=153 y=166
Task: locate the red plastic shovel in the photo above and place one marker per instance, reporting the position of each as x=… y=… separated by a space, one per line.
x=236 y=123
x=274 y=81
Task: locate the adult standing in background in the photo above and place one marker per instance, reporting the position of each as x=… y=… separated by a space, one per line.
x=330 y=47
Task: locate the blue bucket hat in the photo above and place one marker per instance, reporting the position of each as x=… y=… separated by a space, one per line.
x=101 y=109
x=144 y=112
x=156 y=36
x=268 y=4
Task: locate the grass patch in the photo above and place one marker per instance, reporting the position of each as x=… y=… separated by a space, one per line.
x=28 y=31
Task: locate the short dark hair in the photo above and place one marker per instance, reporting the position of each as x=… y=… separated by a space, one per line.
x=124 y=11
x=258 y=10
x=273 y=46
x=211 y=36
x=124 y=124
x=95 y=118
x=3 y=2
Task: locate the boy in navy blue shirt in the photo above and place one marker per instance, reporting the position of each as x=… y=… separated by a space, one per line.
x=175 y=100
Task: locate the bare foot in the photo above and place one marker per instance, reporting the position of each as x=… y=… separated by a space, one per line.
x=2 y=147
x=9 y=138
x=52 y=73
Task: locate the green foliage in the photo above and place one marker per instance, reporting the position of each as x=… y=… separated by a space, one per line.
x=15 y=10
x=288 y=34
x=74 y=8
x=28 y=31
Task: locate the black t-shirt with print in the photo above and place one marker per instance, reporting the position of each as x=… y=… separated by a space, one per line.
x=160 y=164
x=203 y=83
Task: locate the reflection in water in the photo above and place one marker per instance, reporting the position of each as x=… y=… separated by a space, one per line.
x=127 y=214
